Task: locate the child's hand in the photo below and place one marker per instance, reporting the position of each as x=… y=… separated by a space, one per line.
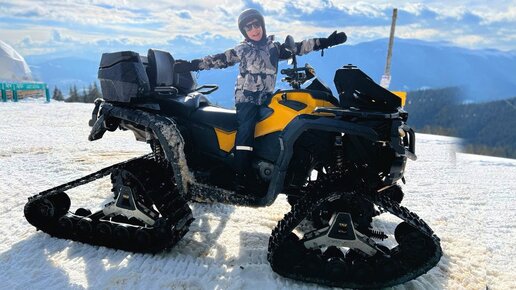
x=334 y=39
x=182 y=66
x=337 y=38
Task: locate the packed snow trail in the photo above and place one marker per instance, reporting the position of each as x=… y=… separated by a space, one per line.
x=468 y=200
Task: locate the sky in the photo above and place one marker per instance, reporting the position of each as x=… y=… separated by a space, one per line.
x=195 y=28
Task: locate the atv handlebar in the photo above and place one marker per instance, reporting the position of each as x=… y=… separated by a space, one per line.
x=289 y=71
x=298 y=75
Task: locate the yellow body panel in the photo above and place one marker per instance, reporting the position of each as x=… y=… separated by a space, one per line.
x=283 y=115
x=226 y=139
x=278 y=120
x=402 y=96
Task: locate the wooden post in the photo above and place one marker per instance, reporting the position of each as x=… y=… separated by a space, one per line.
x=386 y=78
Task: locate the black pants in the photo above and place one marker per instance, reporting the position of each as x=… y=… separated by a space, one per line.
x=247 y=116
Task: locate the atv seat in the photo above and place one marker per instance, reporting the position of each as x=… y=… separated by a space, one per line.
x=223 y=118
x=160 y=70
x=162 y=78
x=216 y=117
x=184 y=106
x=179 y=87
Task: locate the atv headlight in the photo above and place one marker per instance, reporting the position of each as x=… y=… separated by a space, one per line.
x=402 y=132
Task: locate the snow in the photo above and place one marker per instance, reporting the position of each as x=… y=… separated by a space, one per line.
x=12 y=65
x=467 y=199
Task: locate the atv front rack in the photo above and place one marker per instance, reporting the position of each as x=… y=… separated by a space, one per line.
x=359 y=113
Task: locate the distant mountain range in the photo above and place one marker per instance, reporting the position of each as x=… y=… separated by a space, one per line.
x=64 y=72
x=482 y=75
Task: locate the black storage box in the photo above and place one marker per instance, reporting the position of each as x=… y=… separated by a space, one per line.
x=122 y=77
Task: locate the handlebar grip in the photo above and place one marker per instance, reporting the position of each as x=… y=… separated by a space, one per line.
x=291 y=70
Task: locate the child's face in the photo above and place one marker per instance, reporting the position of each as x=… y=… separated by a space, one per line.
x=254 y=30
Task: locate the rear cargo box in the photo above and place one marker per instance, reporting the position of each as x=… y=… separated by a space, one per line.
x=122 y=77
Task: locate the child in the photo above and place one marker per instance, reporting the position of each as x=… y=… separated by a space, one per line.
x=258 y=56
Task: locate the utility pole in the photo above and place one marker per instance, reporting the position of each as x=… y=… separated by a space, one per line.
x=386 y=77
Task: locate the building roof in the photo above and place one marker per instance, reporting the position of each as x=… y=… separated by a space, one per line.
x=12 y=65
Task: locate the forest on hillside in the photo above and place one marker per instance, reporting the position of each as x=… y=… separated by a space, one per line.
x=86 y=95
x=486 y=128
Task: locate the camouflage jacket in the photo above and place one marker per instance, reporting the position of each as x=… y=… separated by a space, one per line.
x=258 y=66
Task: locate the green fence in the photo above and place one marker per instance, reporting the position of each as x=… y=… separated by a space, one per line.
x=16 y=87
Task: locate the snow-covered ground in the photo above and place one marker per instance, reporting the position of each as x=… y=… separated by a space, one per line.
x=467 y=199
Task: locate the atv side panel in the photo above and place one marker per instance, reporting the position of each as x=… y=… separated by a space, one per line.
x=289 y=136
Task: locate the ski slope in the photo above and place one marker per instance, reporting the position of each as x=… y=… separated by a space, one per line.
x=467 y=199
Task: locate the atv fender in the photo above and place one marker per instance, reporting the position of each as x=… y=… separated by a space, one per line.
x=163 y=128
x=292 y=132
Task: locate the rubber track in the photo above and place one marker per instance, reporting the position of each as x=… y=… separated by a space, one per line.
x=315 y=272
x=60 y=223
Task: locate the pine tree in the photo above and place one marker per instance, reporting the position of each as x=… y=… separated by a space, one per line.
x=70 y=95
x=57 y=95
x=74 y=95
x=88 y=96
x=96 y=92
x=84 y=96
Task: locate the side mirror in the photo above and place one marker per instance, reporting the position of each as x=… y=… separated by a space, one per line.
x=290 y=45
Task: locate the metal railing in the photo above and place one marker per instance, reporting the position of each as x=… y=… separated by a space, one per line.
x=17 y=90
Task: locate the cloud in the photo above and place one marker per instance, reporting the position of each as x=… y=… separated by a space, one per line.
x=99 y=24
x=185 y=14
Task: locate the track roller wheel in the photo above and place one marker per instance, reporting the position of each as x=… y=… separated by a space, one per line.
x=120 y=219
x=104 y=231
x=336 y=268
x=121 y=234
x=143 y=237
x=61 y=202
x=47 y=209
x=162 y=228
x=82 y=212
x=334 y=264
x=54 y=206
x=333 y=252
x=84 y=228
x=402 y=230
x=66 y=224
x=362 y=270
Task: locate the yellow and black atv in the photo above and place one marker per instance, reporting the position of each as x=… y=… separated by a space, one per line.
x=337 y=160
